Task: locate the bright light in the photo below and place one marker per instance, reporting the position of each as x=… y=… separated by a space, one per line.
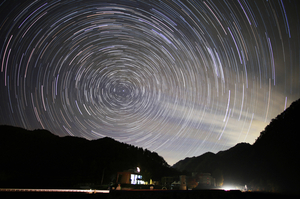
x=136 y=179
x=133 y=178
x=228 y=188
x=138 y=169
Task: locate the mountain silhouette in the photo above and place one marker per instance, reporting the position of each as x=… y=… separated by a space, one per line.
x=40 y=159
x=270 y=164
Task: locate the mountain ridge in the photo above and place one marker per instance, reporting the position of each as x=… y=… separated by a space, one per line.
x=269 y=164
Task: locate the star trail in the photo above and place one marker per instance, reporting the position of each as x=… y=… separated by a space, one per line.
x=177 y=77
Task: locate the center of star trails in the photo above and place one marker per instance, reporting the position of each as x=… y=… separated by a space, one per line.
x=122 y=92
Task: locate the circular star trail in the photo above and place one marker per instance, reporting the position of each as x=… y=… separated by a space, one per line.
x=177 y=77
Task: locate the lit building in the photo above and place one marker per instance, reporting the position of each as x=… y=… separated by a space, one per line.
x=132 y=176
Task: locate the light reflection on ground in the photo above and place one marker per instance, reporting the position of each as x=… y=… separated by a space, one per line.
x=54 y=190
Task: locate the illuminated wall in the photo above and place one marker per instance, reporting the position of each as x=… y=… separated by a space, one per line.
x=136 y=179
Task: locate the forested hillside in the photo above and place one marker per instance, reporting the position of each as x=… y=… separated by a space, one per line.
x=270 y=164
x=40 y=159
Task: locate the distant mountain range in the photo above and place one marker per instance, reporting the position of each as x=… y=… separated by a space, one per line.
x=270 y=164
x=40 y=159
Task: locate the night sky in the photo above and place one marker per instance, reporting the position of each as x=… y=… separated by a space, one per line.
x=180 y=78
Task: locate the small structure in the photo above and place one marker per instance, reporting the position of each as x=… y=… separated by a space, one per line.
x=196 y=181
x=131 y=176
x=170 y=182
x=175 y=183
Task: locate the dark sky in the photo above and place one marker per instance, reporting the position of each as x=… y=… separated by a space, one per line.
x=177 y=77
